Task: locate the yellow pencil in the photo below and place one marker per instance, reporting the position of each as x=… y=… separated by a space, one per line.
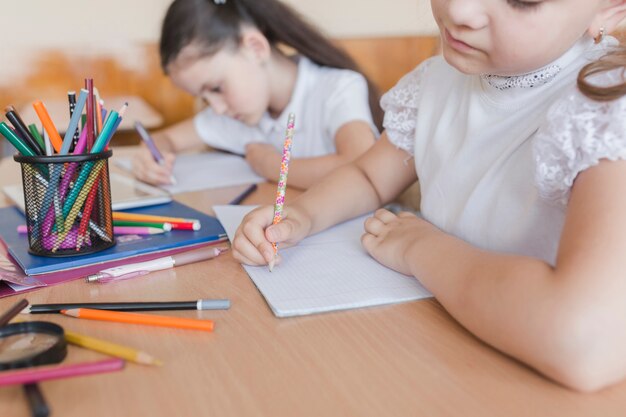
x=112 y=349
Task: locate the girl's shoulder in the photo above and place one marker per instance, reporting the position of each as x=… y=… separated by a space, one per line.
x=578 y=132
x=401 y=104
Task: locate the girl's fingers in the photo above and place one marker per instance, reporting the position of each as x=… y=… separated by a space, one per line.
x=245 y=252
x=384 y=216
x=373 y=225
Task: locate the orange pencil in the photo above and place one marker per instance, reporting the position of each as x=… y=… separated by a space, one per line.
x=53 y=133
x=135 y=318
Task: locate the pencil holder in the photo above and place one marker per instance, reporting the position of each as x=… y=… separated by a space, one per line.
x=68 y=203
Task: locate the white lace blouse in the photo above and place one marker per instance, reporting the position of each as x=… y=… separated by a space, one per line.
x=472 y=141
x=579 y=133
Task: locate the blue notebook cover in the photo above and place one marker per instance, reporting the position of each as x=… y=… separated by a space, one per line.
x=17 y=244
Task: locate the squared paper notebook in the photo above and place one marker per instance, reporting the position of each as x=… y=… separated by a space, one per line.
x=218 y=169
x=325 y=272
x=125 y=247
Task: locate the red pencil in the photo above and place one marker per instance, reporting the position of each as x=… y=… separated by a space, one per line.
x=84 y=221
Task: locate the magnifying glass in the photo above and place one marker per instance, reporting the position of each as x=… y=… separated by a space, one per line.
x=31 y=343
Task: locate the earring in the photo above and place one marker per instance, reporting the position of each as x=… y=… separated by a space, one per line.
x=598 y=38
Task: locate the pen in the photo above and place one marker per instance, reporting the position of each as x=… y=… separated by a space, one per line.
x=147 y=139
x=246 y=193
x=217 y=304
x=123 y=272
x=36 y=400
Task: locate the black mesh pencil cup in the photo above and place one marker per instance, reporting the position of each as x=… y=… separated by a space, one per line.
x=68 y=203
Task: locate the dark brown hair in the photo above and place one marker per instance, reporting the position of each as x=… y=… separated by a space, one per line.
x=213 y=26
x=613 y=60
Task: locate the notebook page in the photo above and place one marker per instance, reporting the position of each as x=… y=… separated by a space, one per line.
x=325 y=272
x=202 y=171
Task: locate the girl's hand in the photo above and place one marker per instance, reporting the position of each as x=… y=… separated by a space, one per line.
x=264 y=159
x=388 y=237
x=146 y=169
x=252 y=244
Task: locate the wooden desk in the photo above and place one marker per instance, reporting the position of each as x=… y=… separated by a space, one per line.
x=403 y=360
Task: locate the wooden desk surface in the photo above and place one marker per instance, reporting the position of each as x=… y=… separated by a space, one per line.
x=402 y=360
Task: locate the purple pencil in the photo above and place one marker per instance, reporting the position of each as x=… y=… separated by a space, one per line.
x=44 y=373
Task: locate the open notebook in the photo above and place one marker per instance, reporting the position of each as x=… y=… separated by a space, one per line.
x=126 y=193
x=325 y=272
x=218 y=169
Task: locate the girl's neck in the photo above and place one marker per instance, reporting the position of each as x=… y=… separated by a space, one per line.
x=283 y=74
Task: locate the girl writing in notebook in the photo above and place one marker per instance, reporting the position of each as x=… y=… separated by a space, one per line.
x=524 y=257
x=227 y=53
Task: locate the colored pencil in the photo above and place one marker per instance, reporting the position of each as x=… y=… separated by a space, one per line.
x=90 y=114
x=120 y=215
x=112 y=349
x=165 y=226
x=136 y=318
x=20 y=127
x=282 y=181
x=45 y=373
x=35 y=132
x=130 y=230
x=13 y=311
x=72 y=127
x=15 y=140
x=52 y=131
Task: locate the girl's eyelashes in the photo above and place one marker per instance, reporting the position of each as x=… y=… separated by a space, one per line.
x=214 y=89
x=523 y=5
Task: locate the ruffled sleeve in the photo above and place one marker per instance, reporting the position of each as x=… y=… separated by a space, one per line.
x=578 y=133
x=400 y=106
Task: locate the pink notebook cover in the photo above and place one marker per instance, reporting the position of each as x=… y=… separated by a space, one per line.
x=10 y=271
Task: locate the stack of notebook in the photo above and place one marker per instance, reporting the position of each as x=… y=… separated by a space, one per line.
x=21 y=271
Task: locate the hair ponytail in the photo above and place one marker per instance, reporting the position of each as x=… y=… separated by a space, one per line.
x=611 y=61
x=212 y=26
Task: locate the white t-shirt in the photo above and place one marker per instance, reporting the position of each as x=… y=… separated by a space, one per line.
x=323 y=100
x=472 y=140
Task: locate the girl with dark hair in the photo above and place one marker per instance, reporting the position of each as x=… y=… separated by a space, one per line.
x=231 y=54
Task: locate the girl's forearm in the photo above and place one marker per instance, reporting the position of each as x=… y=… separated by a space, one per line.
x=358 y=187
x=521 y=306
x=305 y=172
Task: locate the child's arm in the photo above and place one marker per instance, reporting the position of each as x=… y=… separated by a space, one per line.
x=373 y=179
x=568 y=322
x=351 y=141
x=175 y=139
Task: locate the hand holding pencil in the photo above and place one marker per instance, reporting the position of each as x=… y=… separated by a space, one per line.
x=257 y=238
x=282 y=182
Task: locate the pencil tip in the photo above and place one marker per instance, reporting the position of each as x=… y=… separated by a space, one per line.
x=71 y=312
x=25 y=310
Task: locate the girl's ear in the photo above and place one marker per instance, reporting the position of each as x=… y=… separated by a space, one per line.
x=609 y=17
x=256 y=44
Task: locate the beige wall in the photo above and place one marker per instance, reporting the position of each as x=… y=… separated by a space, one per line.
x=116 y=27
